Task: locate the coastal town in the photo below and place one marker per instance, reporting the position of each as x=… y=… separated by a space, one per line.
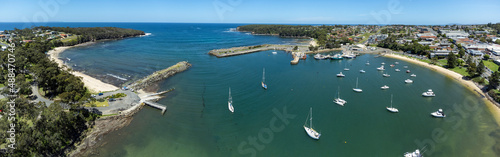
x=472 y=52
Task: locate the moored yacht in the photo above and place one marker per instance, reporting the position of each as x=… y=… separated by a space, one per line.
x=310 y=131
x=408 y=81
x=429 y=93
x=438 y=114
x=381 y=68
x=386 y=75
x=416 y=153
x=384 y=87
x=340 y=75
x=392 y=109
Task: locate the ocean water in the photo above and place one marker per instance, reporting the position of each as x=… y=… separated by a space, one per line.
x=269 y=122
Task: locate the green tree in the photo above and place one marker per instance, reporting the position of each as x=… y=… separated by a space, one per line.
x=461 y=52
x=452 y=60
x=494 y=80
x=486 y=57
x=472 y=69
x=480 y=68
x=469 y=60
x=295 y=48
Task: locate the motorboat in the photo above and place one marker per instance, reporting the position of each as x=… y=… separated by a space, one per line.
x=416 y=153
x=397 y=70
x=381 y=68
x=362 y=71
x=438 y=114
x=384 y=87
x=408 y=71
x=413 y=75
x=429 y=93
x=408 y=81
x=386 y=75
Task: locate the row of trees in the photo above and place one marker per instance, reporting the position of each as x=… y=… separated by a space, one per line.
x=297 y=31
x=414 y=47
x=86 y=34
x=43 y=129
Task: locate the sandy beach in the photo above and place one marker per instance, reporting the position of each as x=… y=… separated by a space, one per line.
x=456 y=76
x=94 y=85
x=313 y=42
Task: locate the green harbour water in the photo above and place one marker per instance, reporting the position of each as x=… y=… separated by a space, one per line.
x=198 y=122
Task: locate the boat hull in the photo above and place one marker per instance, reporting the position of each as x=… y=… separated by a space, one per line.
x=230 y=106
x=312 y=133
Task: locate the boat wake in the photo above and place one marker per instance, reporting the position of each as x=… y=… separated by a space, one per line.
x=231 y=30
x=118 y=77
x=145 y=34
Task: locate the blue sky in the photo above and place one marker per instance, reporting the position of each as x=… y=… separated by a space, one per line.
x=254 y=11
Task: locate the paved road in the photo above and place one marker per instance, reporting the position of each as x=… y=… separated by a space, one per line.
x=39 y=97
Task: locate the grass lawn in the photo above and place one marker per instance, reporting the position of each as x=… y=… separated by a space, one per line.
x=460 y=70
x=98 y=104
x=443 y=61
x=2 y=85
x=73 y=37
x=492 y=66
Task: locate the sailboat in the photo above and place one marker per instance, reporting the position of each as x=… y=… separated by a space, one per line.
x=392 y=109
x=345 y=68
x=264 y=78
x=357 y=89
x=310 y=131
x=338 y=100
x=230 y=102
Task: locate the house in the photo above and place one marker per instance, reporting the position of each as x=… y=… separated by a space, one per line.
x=456 y=34
x=475 y=52
x=494 y=49
x=425 y=43
x=480 y=47
x=442 y=52
x=427 y=36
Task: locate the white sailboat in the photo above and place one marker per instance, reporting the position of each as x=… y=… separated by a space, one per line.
x=264 y=78
x=362 y=71
x=230 y=102
x=310 y=131
x=384 y=87
x=392 y=109
x=340 y=75
x=381 y=68
x=357 y=89
x=338 y=100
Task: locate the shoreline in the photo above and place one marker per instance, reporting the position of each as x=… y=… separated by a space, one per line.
x=93 y=85
x=494 y=109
